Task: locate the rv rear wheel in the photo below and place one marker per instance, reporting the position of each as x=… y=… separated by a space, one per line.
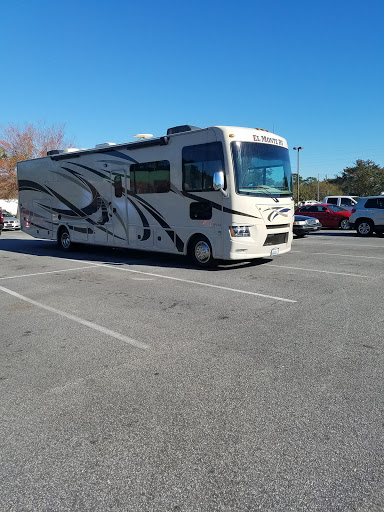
x=200 y=251
x=64 y=240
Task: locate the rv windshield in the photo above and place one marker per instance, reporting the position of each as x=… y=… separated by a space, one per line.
x=261 y=169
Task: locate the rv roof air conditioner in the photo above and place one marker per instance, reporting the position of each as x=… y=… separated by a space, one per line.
x=70 y=150
x=143 y=136
x=105 y=144
x=182 y=128
x=61 y=151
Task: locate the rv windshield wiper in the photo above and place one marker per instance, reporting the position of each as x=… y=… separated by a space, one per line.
x=251 y=190
x=257 y=187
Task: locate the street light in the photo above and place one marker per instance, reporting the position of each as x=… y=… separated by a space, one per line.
x=298 y=172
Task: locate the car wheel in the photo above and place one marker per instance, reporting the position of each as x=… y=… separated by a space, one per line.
x=344 y=224
x=200 y=251
x=64 y=240
x=364 y=228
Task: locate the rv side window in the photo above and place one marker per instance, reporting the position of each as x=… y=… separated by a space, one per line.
x=200 y=162
x=118 y=185
x=150 y=177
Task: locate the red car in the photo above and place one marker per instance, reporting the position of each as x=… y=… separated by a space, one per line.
x=330 y=215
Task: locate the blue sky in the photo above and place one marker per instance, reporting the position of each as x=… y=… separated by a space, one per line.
x=311 y=71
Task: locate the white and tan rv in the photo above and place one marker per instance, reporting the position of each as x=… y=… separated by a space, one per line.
x=218 y=193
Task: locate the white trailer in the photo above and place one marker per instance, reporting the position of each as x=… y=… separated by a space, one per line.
x=10 y=205
x=218 y=193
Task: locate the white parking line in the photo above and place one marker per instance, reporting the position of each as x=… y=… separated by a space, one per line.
x=43 y=273
x=344 y=244
x=74 y=318
x=91 y=264
x=104 y=265
x=321 y=271
x=343 y=255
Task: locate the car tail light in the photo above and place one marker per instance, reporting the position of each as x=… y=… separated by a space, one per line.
x=353 y=210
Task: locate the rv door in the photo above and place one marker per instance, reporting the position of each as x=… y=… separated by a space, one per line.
x=103 y=227
x=119 y=207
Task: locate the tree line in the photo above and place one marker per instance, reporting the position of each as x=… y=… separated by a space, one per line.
x=364 y=178
x=25 y=143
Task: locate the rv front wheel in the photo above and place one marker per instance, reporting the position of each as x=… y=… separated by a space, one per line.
x=64 y=240
x=201 y=251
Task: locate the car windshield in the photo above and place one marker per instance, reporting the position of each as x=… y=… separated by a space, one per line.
x=261 y=169
x=6 y=214
x=335 y=208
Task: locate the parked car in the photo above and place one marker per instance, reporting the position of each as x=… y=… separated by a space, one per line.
x=347 y=202
x=302 y=225
x=1 y=221
x=329 y=215
x=367 y=215
x=309 y=201
x=10 y=222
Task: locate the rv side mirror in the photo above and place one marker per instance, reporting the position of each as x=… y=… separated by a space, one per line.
x=218 y=182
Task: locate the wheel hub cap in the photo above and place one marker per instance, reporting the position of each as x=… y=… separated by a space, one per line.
x=65 y=240
x=202 y=252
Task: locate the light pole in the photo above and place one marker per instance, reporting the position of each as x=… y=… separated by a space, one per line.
x=298 y=173
x=318 y=188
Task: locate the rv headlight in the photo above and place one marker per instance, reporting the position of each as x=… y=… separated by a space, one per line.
x=239 y=231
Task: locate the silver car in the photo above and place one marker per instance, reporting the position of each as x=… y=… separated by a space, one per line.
x=10 y=222
x=368 y=215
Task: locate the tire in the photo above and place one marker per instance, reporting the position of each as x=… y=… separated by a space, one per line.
x=64 y=240
x=344 y=224
x=200 y=251
x=364 y=227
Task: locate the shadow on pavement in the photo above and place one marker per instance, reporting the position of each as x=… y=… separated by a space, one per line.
x=341 y=233
x=114 y=255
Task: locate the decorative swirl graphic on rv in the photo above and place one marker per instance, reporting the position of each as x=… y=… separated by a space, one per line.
x=156 y=215
x=96 y=207
x=217 y=206
x=278 y=211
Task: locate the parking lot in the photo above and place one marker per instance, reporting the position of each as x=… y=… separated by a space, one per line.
x=136 y=382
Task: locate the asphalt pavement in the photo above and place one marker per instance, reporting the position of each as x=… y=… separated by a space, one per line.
x=133 y=381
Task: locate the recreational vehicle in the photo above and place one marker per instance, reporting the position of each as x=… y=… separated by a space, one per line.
x=218 y=193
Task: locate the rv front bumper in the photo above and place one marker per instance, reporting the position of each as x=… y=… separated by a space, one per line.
x=241 y=250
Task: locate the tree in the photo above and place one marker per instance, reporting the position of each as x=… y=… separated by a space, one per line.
x=17 y=144
x=364 y=179
x=314 y=189
x=310 y=188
